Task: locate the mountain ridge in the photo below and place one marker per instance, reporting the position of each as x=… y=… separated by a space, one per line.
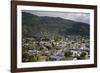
x=33 y=25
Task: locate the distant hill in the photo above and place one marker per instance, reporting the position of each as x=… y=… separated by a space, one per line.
x=34 y=25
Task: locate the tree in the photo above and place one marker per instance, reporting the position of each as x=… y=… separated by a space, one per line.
x=68 y=54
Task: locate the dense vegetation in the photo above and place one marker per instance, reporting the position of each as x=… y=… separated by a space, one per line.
x=53 y=39
x=35 y=25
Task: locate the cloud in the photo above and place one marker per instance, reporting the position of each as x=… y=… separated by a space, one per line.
x=76 y=16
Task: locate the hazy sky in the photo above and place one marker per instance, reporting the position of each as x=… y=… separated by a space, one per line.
x=80 y=17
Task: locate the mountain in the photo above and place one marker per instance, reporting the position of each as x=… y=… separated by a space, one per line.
x=34 y=25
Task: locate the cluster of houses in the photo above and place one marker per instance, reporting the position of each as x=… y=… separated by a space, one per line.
x=54 y=51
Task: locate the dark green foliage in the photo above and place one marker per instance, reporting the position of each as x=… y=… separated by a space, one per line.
x=82 y=56
x=25 y=57
x=34 y=58
x=68 y=54
x=33 y=26
x=44 y=37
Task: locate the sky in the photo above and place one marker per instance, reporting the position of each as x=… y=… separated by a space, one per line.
x=76 y=16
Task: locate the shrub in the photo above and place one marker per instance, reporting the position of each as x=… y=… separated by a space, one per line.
x=68 y=54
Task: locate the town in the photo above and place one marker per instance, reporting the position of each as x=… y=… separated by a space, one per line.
x=71 y=47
